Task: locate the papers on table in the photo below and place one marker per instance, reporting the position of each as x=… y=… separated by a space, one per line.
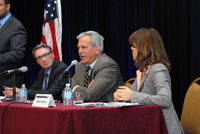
x=2 y=97
x=120 y=104
x=109 y=104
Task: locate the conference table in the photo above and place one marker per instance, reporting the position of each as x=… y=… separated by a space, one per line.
x=19 y=118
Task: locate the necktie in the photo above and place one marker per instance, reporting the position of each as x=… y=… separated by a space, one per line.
x=45 y=81
x=0 y=25
x=86 y=76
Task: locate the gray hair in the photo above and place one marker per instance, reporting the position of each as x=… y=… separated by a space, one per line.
x=96 y=38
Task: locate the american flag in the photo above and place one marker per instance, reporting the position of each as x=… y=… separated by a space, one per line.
x=52 y=27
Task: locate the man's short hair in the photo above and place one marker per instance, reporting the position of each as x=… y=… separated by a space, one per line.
x=7 y=1
x=40 y=46
x=96 y=38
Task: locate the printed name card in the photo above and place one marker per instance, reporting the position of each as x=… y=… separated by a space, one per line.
x=43 y=100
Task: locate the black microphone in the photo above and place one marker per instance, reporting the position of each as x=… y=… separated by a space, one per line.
x=21 y=69
x=73 y=63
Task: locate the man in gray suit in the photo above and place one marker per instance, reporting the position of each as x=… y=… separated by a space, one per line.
x=104 y=73
x=13 y=39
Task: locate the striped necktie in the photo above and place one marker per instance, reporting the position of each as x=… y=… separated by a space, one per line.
x=86 y=76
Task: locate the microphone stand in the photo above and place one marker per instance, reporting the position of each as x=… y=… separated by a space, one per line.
x=69 y=78
x=14 y=87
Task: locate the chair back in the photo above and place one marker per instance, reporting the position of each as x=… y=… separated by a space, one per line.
x=190 y=118
x=129 y=82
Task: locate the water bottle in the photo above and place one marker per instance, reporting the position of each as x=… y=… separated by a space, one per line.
x=67 y=98
x=23 y=93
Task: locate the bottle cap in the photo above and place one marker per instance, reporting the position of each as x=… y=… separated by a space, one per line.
x=67 y=85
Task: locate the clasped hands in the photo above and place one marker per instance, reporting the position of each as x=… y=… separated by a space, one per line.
x=122 y=94
x=9 y=91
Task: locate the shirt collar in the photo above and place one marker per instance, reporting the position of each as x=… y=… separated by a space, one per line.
x=147 y=71
x=92 y=65
x=5 y=19
x=49 y=71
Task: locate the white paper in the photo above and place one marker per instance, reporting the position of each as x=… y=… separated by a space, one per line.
x=109 y=104
x=119 y=104
x=2 y=97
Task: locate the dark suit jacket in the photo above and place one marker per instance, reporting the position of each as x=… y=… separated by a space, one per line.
x=106 y=76
x=55 y=85
x=13 y=39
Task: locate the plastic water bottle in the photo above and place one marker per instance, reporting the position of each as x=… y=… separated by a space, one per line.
x=67 y=98
x=23 y=93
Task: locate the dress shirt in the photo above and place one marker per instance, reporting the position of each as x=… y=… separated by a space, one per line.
x=49 y=71
x=4 y=20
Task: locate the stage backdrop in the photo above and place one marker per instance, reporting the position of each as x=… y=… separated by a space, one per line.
x=176 y=20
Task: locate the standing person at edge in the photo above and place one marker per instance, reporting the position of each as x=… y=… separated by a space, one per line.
x=104 y=74
x=51 y=70
x=153 y=83
x=13 y=39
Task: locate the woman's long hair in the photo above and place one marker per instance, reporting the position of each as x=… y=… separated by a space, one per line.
x=150 y=48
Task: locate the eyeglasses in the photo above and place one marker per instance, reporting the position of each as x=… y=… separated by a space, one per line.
x=44 y=56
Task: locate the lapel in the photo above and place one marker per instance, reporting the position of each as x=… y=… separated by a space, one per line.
x=142 y=81
x=40 y=79
x=6 y=24
x=98 y=63
x=51 y=73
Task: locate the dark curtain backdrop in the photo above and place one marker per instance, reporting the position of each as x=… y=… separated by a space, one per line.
x=176 y=20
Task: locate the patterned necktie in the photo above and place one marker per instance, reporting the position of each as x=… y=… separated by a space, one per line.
x=45 y=81
x=86 y=76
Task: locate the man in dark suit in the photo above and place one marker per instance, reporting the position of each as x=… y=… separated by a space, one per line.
x=13 y=39
x=51 y=70
x=104 y=75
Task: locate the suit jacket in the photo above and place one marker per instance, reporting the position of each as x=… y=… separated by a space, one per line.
x=106 y=76
x=155 y=89
x=55 y=85
x=13 y=39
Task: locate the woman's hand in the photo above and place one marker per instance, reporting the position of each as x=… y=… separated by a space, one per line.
x=123 y=94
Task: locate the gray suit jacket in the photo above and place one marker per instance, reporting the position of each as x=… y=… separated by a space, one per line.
x=155 y=89
x=106 y=76
x=13 y=39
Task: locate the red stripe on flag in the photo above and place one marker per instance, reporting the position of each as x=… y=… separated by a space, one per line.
x=44 y=41
x=44 y=20
x=53 y=34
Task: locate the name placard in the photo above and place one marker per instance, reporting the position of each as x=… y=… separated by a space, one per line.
x=43 y=100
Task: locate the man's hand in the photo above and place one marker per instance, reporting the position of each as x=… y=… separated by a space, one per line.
x=90 y=83
x=9 y=91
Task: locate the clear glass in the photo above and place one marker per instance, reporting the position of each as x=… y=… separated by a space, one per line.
x=78 y=97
